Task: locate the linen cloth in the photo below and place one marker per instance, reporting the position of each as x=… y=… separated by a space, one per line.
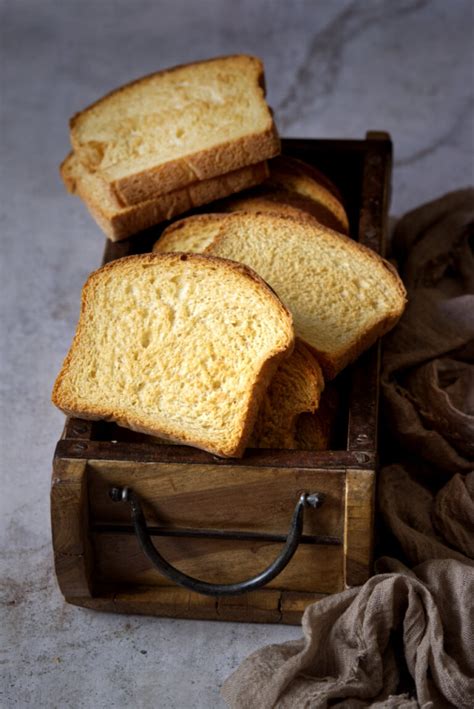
x=406 y=638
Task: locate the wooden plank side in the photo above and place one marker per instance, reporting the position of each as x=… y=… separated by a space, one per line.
x=232 y=498
x=294 y=604
x=69 y=526
x=262 y=606
x=359 y=526
x=124 y=451
x=372 y=232
x=166 y=601
x=119 y=560
x=78 y=429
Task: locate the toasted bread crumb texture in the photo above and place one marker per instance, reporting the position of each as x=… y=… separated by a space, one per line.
x=182 y=236
x=171 y=115
x=295 y=388
x=175 y=345
x=342 y=295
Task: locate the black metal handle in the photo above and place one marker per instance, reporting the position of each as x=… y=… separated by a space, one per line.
x=125 y=494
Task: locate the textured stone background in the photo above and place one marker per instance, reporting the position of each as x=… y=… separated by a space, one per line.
x=333 y=70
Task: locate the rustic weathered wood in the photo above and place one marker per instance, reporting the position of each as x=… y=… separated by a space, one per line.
x=171 y=602
x=359 y=526
x=264 y=606
x=256 y=606
x=294 y=604
x=372 y=232
x=237 y=498
x=315 y=567
x=183 y=455
x=79 y=429
x=69 y=523
x=183 y=487
x=375 y=191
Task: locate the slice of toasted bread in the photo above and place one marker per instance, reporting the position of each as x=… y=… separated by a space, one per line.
x=176 y=127
x=295 y=388
x=294 y=175
x=296 y=189
x=180 y=346
x=283 y=202
x=119 y=222
x=342 y=295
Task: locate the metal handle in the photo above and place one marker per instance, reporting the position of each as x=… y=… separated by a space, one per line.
x=125 y=494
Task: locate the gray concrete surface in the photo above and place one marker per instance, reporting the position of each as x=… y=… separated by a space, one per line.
x=333 y=70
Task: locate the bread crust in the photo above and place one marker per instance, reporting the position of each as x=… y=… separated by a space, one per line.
x=327 y=194
x=284 y=203
x=235 y=447
x=284 y=400
x=285 y=163
x=123 y=222
x=201 y=165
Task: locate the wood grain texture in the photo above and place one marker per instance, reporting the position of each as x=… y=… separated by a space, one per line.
x=263 y=606
x=119 y=560
x=372 y=232
x=211 y=497
x=359 y=526
x=69 y=526
x=147 y=452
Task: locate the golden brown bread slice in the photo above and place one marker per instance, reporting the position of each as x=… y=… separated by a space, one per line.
x=283 y=202
x=295 y=388
x=176 y=127
x=342 y=295
x=294 y=188
x=180 y=346
x=119 y=222
x=291 y=173
x=294 y=391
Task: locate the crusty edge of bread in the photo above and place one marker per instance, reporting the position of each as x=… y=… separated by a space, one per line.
x=285 y=438
x=286 y=203
x=212 y=162
x=134 y=422
x=296 y=165
x=329 y=192
x=130 y=220
x=202 y=165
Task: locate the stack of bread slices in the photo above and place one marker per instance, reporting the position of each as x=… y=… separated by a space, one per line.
x=171 y=141
x=224 y=336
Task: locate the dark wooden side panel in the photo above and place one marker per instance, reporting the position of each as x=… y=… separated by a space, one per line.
x=69 y=524
x=372 y=232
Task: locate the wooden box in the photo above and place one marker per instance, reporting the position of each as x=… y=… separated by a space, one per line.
x=225 y=520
